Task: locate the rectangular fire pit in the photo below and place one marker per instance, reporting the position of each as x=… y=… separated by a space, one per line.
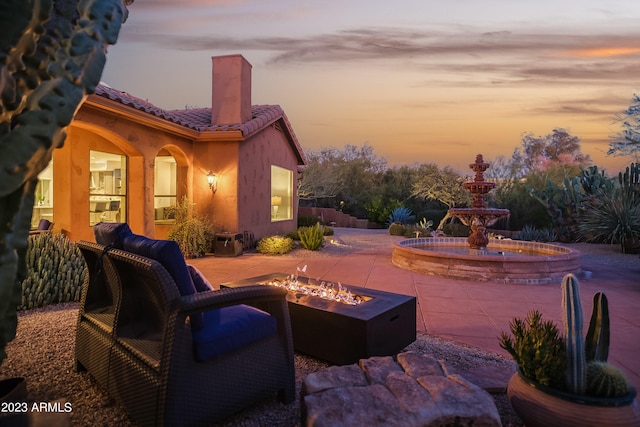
x=382 y=325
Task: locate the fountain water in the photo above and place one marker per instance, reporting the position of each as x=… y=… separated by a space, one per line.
x=481 y=258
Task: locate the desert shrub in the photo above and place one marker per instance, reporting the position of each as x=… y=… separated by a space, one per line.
x=55 y=271
x=378 y=211
x=312 y=238
x=327 y=231
x=397 y=229
x=191 y=232
x=275 y=245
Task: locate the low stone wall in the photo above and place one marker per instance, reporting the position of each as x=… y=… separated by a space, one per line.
x=412 y=390
x=340 y=219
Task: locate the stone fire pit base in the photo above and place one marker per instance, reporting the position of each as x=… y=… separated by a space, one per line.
x=412 y=390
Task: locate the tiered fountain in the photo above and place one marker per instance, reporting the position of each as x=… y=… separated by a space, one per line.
x=481 y=258
x=478 y=216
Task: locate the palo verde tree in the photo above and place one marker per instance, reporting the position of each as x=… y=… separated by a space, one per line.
x=627 y=141
x=52 y=53
x=443 y=185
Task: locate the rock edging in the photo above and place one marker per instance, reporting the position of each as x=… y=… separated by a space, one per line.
x=410 y=390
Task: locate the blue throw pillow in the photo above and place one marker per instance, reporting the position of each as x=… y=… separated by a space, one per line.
x=111 y=233
x=167 y=253
x=200 y=282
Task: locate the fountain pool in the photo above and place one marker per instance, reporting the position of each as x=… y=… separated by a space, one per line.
x=482 y=258
x=506 y=261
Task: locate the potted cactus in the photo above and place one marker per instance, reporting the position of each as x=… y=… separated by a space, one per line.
x=565 y=379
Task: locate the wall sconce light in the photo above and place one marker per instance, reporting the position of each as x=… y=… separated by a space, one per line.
x=212 y=181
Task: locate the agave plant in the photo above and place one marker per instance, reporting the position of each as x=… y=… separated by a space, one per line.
x=612 y=217
x=401 y=215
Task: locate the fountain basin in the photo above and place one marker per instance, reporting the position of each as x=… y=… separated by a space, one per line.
x=504 y=261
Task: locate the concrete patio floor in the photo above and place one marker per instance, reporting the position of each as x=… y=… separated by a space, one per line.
x=465 y=311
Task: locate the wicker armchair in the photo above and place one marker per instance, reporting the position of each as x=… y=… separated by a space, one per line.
x=157 y=368
x=44 y=226
x=99 y=305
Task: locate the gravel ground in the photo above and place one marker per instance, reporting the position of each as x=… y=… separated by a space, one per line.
x=43 y=353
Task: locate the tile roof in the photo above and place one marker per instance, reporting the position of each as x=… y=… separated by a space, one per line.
x=199 y=119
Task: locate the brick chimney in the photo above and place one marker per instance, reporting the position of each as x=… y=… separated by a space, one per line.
x=231 y=90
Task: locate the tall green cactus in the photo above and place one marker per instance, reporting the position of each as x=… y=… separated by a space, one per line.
x=631 y=176
x=52 y=53
x=598 y=334
x=55 y=271
x=572 y=317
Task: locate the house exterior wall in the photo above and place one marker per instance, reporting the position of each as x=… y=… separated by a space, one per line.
x=256 y=155
x=219 y=208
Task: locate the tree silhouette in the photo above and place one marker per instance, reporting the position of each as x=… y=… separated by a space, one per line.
x=627 y=141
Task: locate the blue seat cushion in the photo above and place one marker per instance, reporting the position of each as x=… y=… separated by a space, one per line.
x=111 y=233
x=231 y=328
x=167 y=253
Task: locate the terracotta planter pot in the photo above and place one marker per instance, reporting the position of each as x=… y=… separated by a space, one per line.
x=540 y=406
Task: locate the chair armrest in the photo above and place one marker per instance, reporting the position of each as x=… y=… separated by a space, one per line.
x=250 y=295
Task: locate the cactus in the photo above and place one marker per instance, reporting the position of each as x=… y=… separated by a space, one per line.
x=401 y=215
x=605 y=380
x=56 y=271
x=397 y=229
x=572 y=316
x=538 y=349
x=598 y=334
x=631 y=176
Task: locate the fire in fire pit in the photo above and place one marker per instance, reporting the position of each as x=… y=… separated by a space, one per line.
x=324 y=290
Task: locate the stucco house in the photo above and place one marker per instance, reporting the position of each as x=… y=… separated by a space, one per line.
x=126 y=160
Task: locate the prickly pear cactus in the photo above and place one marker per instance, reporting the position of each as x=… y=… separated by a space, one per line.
x=52 y=53
x=55 y=271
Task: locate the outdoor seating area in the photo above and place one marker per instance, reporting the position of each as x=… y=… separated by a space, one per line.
x=165 y=346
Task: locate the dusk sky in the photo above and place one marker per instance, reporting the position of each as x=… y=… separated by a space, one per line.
x=420 y=81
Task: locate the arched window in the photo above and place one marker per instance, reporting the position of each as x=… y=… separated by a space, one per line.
x=165 y=188
x=43 y=206
x=107 y=187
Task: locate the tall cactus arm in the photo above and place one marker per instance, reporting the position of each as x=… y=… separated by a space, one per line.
x=598 y=334
x=52 y=53
x=572 y=317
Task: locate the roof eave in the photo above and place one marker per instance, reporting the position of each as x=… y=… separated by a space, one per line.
x=144 y=118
